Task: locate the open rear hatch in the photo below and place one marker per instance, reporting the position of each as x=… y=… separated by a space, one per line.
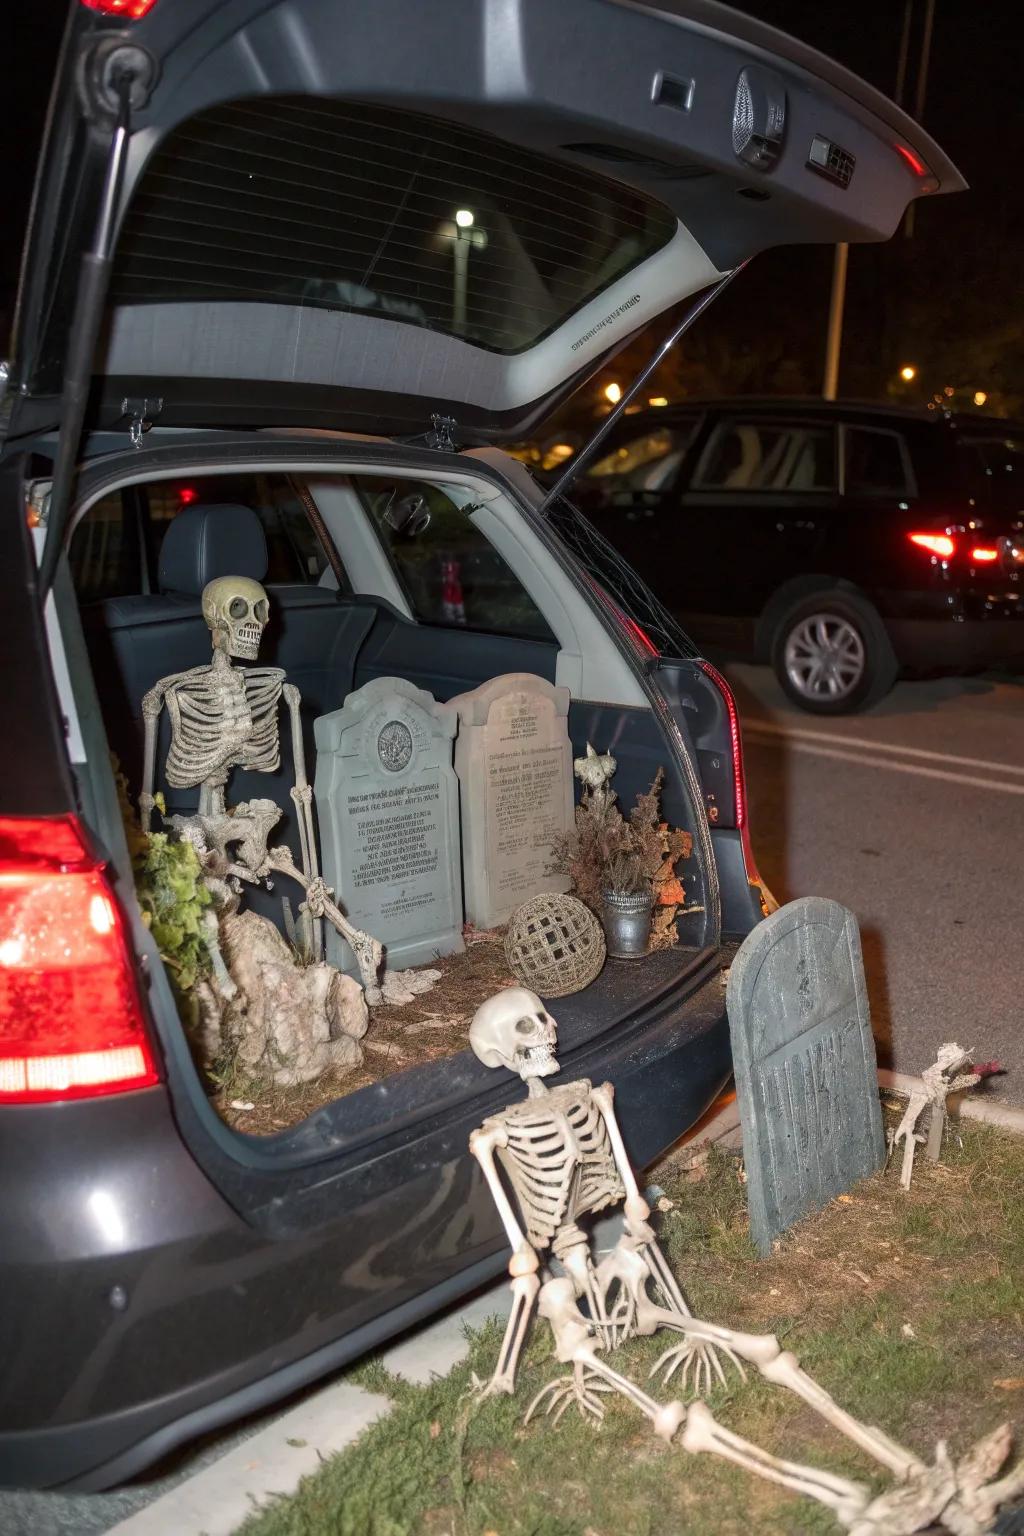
x=365 y=217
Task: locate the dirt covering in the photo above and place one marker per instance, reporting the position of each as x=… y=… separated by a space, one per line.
x=430 y=1028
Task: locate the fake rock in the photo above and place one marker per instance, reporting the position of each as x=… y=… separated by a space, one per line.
x=288 y=1021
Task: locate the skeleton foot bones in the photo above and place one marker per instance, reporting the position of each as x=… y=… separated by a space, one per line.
x=562 y=1154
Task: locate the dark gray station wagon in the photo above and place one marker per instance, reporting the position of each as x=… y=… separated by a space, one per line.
x=296 y=269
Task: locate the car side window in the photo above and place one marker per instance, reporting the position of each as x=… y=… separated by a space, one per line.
x=450 y=572
x=767 y=456
x=649 y=462
x=994 y=472
x=295 y=555
x=105 y=552
x=875 y=463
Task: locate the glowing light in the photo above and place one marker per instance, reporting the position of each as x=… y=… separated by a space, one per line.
x=101 y=915
x=658 y=400
x=980 y=397
x=916 y=164
x=613 y=392
x=936 y=543
x=908 y=373
x=464 y=218
x=187 y=495
x=983 y=555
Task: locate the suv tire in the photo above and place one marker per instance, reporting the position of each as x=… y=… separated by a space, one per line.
x=831 y=653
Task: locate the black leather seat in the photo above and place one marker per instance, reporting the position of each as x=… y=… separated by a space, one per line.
x=314 y=634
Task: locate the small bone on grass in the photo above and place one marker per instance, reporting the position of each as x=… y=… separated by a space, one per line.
x=959 y=1283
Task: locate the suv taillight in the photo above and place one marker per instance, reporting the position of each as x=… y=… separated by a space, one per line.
x=71 y=1022
x=739 y=783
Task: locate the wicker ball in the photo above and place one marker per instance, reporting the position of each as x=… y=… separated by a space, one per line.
x=554 y=945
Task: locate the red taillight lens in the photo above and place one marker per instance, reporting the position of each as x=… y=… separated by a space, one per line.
x=71 y=1022
x=983 y=554
x=134 y=10
x=915 y=162
x=735 y=742
x=939 y=544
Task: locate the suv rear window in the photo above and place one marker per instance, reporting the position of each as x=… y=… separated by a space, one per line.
x=354 y=207
x=649 y=462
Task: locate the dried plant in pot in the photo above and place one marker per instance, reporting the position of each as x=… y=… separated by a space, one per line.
x=624 y=868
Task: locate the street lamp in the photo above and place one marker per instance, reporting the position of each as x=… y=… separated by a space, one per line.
x=462 y=234
x=908 y=373
x=613 y=392
x=980 y=397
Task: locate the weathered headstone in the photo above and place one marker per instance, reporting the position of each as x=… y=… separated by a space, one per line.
x=387 y=802
x=804 y=1058
x=514 y=764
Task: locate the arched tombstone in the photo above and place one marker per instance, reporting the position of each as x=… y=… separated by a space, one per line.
x=804 y=1059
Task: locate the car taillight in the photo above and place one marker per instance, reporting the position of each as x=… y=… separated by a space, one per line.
x=71 y=1022
x=134 y=10
x=983 y=554
x=735 y=743
x=939 y=544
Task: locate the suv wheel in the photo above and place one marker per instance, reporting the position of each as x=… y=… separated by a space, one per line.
x=832 y=655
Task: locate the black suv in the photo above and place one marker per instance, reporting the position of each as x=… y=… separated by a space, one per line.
x=843 y=543
x=296 y=268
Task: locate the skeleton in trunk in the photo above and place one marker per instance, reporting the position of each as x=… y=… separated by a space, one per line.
x=223 y=717
x=562 y=1153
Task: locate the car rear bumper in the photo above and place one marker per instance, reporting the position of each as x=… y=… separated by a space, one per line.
x=140 y=1310
x=951 y=644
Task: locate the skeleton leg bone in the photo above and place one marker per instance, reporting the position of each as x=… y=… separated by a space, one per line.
x=368 y=951
x=783 y=1369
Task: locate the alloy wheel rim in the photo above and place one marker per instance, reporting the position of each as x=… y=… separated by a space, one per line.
x=824 y=657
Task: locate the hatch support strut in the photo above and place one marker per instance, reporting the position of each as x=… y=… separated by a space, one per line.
x=85 y=325
x=586 y=453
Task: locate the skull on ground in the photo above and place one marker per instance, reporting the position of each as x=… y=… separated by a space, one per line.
x=513 y=1029
x=236 y=611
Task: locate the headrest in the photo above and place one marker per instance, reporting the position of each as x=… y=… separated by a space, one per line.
x=205 y=542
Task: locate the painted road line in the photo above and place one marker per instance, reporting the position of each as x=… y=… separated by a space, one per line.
x=766 y=727
x=863 y=760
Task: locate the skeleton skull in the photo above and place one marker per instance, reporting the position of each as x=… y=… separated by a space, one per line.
x=513 y=1029
x=236 y=610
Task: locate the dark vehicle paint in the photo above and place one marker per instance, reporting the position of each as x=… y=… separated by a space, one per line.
x=728 y=562
x=212 y=1306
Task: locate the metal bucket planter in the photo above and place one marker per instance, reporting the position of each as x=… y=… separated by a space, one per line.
x=627 y=922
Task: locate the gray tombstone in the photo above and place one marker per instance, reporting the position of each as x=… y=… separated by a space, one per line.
x=387 y=802
x=514 y=764
x=804 y=1058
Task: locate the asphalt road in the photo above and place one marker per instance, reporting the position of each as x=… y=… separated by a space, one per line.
x=912 y=816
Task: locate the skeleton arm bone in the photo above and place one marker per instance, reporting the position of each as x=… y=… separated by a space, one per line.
x=522 y=1267
x=302 y=795
x=635 y=1207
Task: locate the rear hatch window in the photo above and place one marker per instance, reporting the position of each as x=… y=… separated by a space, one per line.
x=344 y=206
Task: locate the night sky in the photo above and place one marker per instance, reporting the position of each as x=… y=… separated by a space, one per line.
x=957 y=279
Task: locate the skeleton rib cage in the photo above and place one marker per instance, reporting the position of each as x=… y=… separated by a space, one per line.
x=218 y=723
x=558 y=1157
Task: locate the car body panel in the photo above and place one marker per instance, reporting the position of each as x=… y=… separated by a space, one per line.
x=737 y=558
x=581 y=84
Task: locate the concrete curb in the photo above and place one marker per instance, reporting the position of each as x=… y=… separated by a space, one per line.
x=1002 y=1115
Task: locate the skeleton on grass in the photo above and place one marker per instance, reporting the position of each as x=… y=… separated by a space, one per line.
x=562 y=1154
x=225 y=717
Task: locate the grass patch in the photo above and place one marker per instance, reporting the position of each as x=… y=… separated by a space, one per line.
x=909 y=1308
